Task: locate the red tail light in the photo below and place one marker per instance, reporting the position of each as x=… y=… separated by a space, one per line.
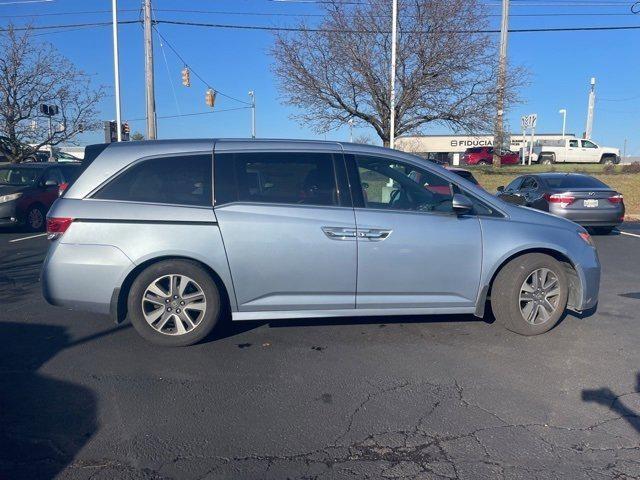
x=57 y=226
x=62 y=187
x=618 y=198
x=561 y=199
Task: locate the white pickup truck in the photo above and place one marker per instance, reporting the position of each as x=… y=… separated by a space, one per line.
x=574 y=150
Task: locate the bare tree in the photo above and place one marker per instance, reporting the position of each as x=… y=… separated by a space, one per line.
x=341 y=69
x=32 y=74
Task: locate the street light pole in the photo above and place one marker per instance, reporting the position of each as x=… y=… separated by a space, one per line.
x=498 y=137
x=563 y=112
x=253 y=113
x=392 y=100
x=116 y=66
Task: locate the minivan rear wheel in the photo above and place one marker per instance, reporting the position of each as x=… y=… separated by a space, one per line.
x=174 y=303
x=529 y=294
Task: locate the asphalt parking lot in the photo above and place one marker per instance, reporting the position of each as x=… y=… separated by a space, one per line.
x=443 y=397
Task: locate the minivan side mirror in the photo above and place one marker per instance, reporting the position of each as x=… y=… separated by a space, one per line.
x=500 y=189
x=461 y=204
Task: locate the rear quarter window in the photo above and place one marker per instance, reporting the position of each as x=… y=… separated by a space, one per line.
x=177 y=180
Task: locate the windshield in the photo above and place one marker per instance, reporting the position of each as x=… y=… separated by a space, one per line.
x=18 y=176
x=574 y=181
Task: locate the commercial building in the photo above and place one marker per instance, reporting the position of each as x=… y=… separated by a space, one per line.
x=447 y=148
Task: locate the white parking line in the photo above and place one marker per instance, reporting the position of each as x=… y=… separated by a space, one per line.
x=27 y=238
x=630 y=234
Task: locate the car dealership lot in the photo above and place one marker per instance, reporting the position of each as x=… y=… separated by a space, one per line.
x=431 y=397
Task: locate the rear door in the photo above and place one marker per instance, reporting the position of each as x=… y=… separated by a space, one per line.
x=288 y=227
x=413 y=252
x=573 y=152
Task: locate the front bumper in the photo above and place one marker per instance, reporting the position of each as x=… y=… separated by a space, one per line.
x=588 y=272
x=9 y=213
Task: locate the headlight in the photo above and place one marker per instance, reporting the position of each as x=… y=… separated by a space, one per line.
x=11 y=196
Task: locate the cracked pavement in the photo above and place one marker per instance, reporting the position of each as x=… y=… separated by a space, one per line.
x=448 y=397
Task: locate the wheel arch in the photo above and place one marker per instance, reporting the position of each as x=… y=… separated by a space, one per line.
x=118 y=307
x=575 y=287
x=553 y=156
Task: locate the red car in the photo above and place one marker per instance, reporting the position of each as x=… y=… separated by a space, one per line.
x=484 y=156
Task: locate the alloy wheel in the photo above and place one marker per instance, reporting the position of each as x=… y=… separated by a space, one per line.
x=174 y=304
x=35 y=219
x=539 y=296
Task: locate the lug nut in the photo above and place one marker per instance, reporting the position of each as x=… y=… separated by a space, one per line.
x=182 y=303
x=177 y=310
x=168 y=309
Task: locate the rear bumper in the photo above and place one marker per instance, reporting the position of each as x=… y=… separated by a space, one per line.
x=586 y=217
x=83 y=277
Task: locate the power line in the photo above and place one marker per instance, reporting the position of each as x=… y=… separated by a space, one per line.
x=292 y=15
x=316 y=30
x=329 y=30
x=191 y=114
x=191 y=68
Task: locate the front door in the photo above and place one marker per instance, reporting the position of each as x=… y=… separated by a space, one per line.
x=413 y=251
x=590 y=151
x=289 y=231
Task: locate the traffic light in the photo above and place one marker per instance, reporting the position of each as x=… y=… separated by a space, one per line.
x=125 y=130
x=210 y=97
x=186 y=81
x=110 y=132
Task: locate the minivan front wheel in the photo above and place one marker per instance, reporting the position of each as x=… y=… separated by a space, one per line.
x=529 y=295
x=174 y=303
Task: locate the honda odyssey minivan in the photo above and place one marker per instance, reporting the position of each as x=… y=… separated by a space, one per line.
x=174 y=234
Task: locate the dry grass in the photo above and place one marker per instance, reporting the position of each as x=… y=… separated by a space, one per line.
x=626 y=183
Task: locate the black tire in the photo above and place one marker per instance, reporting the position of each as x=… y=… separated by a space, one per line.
x=602 y=230
x=204 y=324
x=35 y=219
x=483 y=163
x=546 y=159
x=608 y=160
x=505 y=293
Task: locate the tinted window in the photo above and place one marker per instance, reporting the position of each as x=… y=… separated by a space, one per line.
x=573 y=143
x=19 y=176
x=574 y=181
x=286 y=177
x=515 y=184
x=393 y=185
x=474 y=150
x=182 y=180
x=466 y=175
x=70 y=173
x=588 y=144
x=54 y=175
x=529 y=183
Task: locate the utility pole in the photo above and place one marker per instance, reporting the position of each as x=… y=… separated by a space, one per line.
x=116 y=65
x=148 y=73
x=592 y=105
x=498 y=136
x=350 y=122
x=253 y=113
x=392 y=100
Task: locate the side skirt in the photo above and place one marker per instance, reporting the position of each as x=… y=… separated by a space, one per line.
x=356 y=312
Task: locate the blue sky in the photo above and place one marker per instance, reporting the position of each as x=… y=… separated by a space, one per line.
x=236 y=61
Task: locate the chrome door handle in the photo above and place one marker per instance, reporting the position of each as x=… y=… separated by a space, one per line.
x=339 y=233
x=374 y=234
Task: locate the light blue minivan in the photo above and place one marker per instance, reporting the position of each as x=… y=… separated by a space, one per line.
x=176 y=235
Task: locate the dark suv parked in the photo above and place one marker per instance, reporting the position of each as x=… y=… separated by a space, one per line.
x=27 y=191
